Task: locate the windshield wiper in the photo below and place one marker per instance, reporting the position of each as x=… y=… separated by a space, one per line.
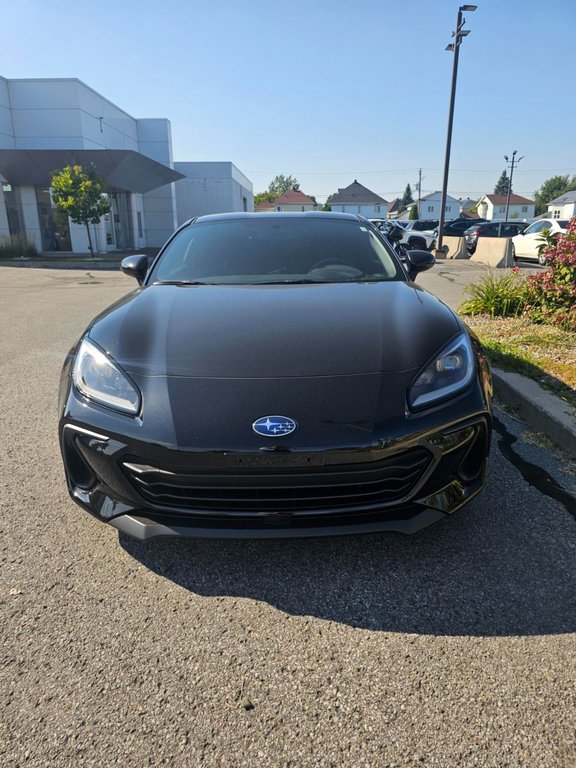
x=180 y=282
x=298 y=281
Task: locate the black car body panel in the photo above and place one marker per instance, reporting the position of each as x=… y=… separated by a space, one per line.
x=336 y=358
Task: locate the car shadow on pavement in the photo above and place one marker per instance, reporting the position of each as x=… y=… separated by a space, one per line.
x=496 y=568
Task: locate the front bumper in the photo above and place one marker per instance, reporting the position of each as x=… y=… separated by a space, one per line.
x=148 y=491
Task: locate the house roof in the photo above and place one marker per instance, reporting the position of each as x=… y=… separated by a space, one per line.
x=355 y=193
x=294 y=197
x=265 y=205
x=433 y=194
x=514 y=200
x=394 y=205
x=567 y=197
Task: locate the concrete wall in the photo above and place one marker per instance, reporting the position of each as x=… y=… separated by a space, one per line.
x=456 y=248
x=211 y=187
x=493 y=251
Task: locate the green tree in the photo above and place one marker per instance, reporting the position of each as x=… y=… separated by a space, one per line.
x=406 y=198
x=79 y=193
x=413 y=216
x=277 y=187
x=552 y=188
x=281 y=184
x=502 y=185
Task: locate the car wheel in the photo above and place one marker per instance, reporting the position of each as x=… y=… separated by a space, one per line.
x=513 y=251
x=417 y=244
x=542 y=259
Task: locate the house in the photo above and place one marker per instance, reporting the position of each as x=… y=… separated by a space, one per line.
x=294 y=201
x=49 y=123
x=430 y=207
x=394 y=208
x=266 y=206
x=467 y=205
x=356 y=198
x=494 y=207
x=563 y=207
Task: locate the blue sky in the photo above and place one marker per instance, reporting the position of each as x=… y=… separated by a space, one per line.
x=326 y=90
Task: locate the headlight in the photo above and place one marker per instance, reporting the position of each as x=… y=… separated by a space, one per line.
x=98 y=378
x=450 y=372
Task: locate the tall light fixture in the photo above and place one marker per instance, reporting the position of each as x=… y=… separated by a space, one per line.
x=458 y=34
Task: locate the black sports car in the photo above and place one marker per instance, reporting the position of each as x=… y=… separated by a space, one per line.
x=275 y=375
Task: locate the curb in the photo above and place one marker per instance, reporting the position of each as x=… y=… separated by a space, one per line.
x=82 y=264
x=537 y=407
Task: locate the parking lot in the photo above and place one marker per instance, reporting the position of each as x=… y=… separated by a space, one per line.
x=454 y=647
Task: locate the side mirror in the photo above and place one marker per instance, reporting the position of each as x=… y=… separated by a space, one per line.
x=418 y=261
x=135 y=266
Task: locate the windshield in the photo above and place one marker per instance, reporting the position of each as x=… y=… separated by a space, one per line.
x=265 y=249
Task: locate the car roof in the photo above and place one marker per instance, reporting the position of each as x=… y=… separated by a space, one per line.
x=239 y=215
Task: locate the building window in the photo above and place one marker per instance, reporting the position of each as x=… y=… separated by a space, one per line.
x=502 y=209
x=377 y=209
x=13 y=209
x=139 y=219
x=556 y=214
x=54 y=226
x=244 y=204
x=430 y=209
x=524 y=209
x=448 y=208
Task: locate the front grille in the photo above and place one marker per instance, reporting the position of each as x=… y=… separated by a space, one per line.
x=289 y=490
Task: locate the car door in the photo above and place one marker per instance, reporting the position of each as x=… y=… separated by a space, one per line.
x=527 y=245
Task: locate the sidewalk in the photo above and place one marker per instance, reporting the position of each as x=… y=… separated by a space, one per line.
x=76 y=260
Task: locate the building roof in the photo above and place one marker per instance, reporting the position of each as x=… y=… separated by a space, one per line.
x=567 y=197
x=265 y=205
x=514 y=200
x=394 y=205
x=294 y=197
x=355 y=194
x=438 y=192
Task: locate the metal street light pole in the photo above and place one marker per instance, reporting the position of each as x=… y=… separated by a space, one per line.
x=458 y=35
x=511 y=163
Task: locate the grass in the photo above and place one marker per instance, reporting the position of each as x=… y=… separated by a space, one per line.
x=545 y=353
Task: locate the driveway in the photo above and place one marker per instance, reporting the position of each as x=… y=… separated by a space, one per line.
x=452 y=648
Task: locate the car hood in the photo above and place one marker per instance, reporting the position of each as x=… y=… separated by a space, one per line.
x=274 y=331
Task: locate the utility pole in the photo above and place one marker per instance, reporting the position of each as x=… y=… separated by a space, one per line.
x=511 y=164
x=419 y=189
x=458 y=34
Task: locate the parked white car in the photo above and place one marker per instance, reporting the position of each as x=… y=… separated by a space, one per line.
x=413 y=239
x=526 y=244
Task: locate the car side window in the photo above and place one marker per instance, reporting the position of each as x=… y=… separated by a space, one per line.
x=533 y=228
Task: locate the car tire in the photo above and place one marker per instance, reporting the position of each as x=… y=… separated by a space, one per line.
x=513 y=252
x=542 y=259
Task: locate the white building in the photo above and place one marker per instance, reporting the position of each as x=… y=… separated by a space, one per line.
x=46 y=124
x=211 y=187
x=430 y=207
x=563 y=207
x=358 y=199
x=494 y=207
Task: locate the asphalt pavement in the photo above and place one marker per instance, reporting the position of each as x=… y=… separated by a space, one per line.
x=454 y=647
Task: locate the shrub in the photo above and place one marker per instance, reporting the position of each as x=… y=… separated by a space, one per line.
x=17 y=246
x=498 y=296
x=552 y=293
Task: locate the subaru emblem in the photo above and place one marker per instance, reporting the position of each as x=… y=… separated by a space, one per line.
x=274 y=426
